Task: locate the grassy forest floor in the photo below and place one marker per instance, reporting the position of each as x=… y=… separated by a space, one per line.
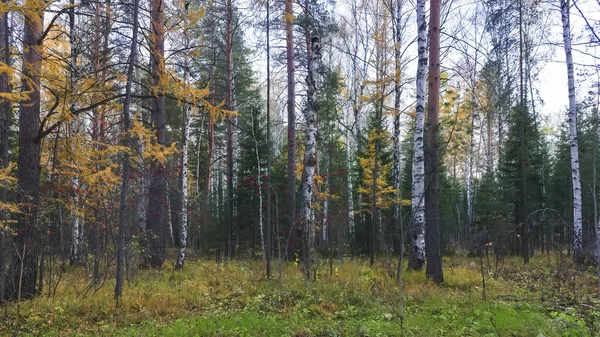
x=546 y=298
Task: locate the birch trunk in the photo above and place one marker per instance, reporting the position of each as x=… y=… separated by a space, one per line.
x=416 y=258
x=259 y=182
x=575 y=177
x=469 y=180
x=310 y=144
x=350 y=197
x=76 y=229
x=185 y=107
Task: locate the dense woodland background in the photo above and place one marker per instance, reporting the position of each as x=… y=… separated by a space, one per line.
x=291 y=131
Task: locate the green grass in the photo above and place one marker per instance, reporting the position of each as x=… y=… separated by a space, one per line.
x=235 y=299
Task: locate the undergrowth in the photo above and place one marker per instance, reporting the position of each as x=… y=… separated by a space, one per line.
x=546 y=298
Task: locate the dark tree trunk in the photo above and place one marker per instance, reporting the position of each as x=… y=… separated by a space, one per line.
x=126 y=142
x=24 y=266
x=291 y=135
x=230 y=125
x=523 y=157
x=268 y=182
x=432 y=232
x=157 y=191
x=5 y=119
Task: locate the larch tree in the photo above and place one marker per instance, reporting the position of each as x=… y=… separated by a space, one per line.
x=157 y=191
x=416 y=257
x=125 y=165
x=24 y=265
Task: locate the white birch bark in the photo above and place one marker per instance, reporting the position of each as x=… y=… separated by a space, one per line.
x=76 y=227
x=417 y=253
x=186 y=109
x=310 y=142
x=469 y=178
x=259 y=182
x=575 y=177
x=349 y=160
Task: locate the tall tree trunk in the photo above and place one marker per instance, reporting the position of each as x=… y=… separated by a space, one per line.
x=432 y=232
x=185 y=109
x=523 y=157
x=125 y=167
x=157 y=191
x=292 y=246
x=259 y=182
x=310 y=146
x=416 y=256
x=230 y=125
x=23 y=269
x=268 y=223
x=469 y=175
x=575 y=177
x=397 y=21
x=76 y=225
x=5 y=120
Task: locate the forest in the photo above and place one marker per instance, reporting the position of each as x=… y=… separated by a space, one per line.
x=299 y=168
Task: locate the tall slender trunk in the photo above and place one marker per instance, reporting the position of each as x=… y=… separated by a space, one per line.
x=125 y=167
x=469 y=176
x=259 y=182
x=291 y=132
x=23 y=269
x=76 y=226
x=432 y=217
x=575 y=177
x=523 y=157
x=268 y=222
x=230 y=124
x=5 y=121
x=416 y=256
x=397 y=21
x=185 y=109
x=310 y=145
x=157 y=190
x=595 y=185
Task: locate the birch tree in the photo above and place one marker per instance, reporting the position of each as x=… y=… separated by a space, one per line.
x=416 y=258
x=310 y=145
x=575 y=175
x=186 y=111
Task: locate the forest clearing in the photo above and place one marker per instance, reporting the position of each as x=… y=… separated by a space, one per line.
x=233 y=298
